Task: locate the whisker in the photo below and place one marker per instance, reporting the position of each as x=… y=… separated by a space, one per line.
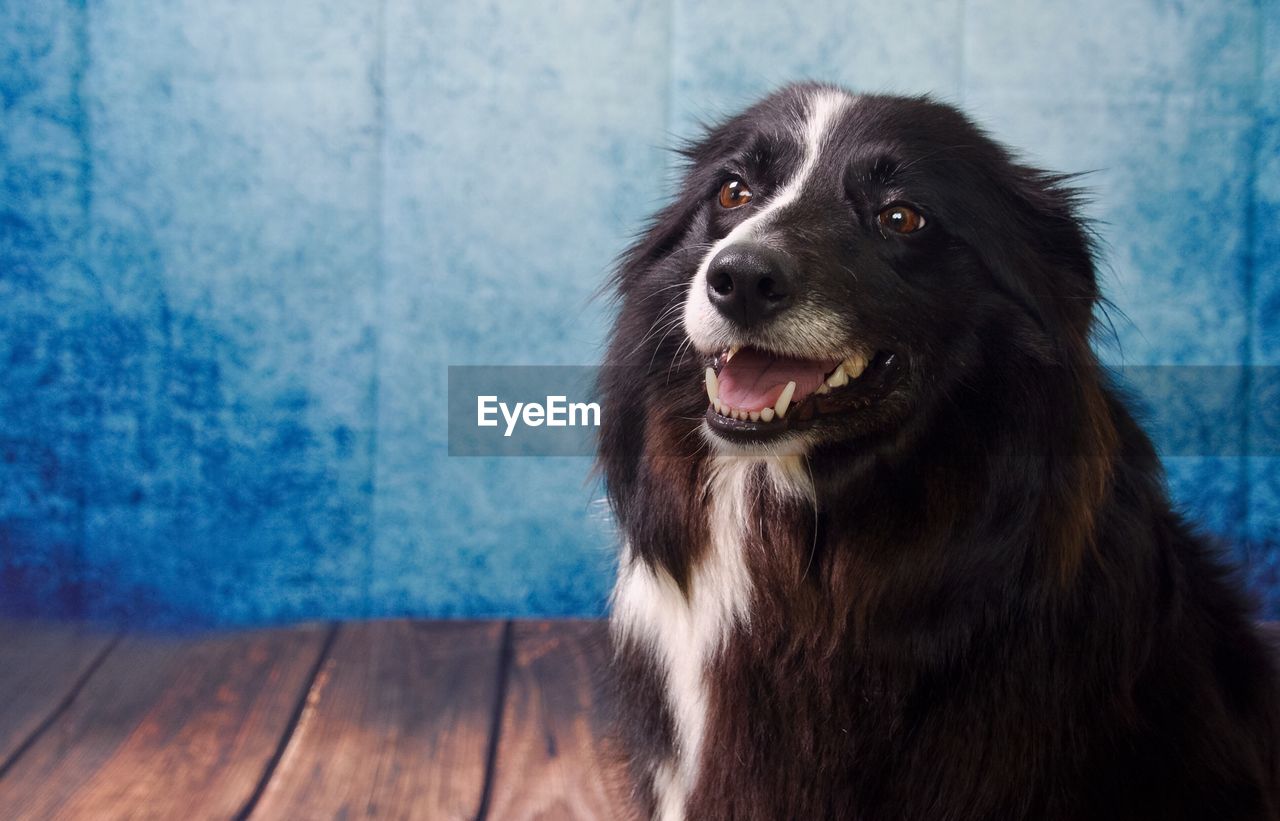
x=658 y=347
x=683 y=347
x=813 y=548
x=654 y=328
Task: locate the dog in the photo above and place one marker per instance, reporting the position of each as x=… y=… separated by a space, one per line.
x=894 y=547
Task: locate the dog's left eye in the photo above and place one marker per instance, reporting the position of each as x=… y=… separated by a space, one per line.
x=901 y=219
x=734 y=193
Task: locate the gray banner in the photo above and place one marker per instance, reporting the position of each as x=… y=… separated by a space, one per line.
x=552 y=410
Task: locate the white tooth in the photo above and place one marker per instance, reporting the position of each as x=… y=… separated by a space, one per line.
x=713 y=387
x=822 y=389
x=732 y=350
x=854 y=366
x=767 y=414
x=785 y=399
x=839 y=378
x=755 y=416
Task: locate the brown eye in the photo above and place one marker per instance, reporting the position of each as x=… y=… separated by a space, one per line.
x=901 y=220
x=734 y=193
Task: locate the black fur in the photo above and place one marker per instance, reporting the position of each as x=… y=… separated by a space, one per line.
x=994 y=611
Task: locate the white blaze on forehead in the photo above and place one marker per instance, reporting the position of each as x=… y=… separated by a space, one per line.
x=823 y=110
x=822 y=116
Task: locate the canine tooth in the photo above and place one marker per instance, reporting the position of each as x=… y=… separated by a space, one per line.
x=713 y=387
x=838 y=378
x=767 y=414
x=733 y=349
x=854 y=366
x=823 y=388
x=784 y=400
x=755 y=416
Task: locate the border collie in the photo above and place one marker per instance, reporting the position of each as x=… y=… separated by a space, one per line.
x=895 y=548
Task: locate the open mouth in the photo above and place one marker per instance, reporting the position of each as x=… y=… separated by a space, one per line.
x=755 y=394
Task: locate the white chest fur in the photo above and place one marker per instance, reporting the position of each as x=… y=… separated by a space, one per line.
x=686 y=632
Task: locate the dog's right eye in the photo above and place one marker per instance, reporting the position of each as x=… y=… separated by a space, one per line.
x=901 y=219
x=734 y=193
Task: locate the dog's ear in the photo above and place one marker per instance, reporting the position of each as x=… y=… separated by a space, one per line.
x=1061 y=242
x=661 y=236
x=622 y=430
x=671 y=224
x=1040 y=252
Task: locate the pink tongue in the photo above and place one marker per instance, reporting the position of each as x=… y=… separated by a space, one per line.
x=753 y=379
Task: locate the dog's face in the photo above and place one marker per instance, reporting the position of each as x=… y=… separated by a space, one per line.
x=840 y=265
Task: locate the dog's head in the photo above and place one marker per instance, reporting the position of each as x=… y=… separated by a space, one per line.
x=835 y=266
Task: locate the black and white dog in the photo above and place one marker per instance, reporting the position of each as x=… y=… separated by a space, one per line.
x=895 y=548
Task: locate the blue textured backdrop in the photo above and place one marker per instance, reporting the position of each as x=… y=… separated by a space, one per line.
x=240 y=242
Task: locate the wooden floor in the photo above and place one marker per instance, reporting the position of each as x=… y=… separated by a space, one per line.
x=396 y=719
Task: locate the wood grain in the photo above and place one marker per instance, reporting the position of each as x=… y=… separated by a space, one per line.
x=397 y=722
x=40 y=665
x=167 y=728
x=555 y=759
x=397 y=725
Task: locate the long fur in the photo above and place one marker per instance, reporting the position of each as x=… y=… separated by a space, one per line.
x=978 y=601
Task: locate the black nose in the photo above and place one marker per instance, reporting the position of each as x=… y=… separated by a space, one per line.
x=750 y=283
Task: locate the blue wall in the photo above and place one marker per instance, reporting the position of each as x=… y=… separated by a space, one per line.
x=240 y=242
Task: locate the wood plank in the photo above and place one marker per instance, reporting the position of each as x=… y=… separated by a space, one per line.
x=397 y=725
x=555 y=758
x=40 y=666
x=168 y=728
